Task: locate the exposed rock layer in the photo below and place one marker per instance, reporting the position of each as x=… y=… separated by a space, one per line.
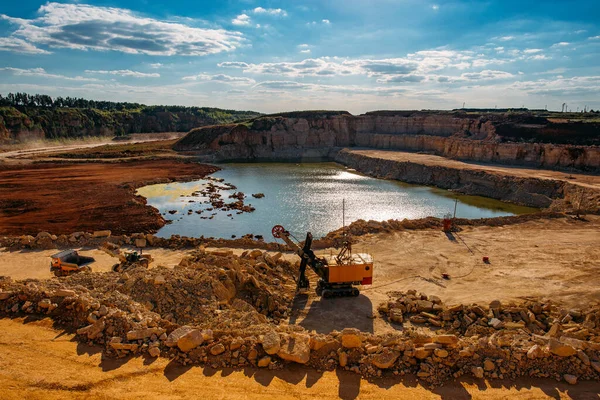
x=451 y=135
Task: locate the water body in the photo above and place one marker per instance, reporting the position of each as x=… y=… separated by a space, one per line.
x=308 y=197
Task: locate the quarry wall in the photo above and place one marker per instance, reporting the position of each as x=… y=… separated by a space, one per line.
x=462 y=138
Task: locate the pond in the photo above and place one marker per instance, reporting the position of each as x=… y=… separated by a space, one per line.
x=305 y=197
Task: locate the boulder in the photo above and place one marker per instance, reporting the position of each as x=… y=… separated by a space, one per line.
x=477 y=372
x=446 y=339
x=422 y=353
x=5 y=295
x=424 y=305
x=101 y=234
x=64 y=293
x=560 y=349
x=217 y=349
x=236 y=343
x=264 y=362
x=351 y=338
x=154 y=351
x=94 y=330
x=144 y=333
x=441 y=353
x=342 y=358
x=534 y=352
x=489 y=365
x=271 y=342
x=177 y=334
x=190 y=340
x=124 y=346
x=140 y=243
x=295 y=347
x=570 y=379
x=385 y=359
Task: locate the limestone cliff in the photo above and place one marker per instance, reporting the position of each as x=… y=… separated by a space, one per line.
x=296 y=136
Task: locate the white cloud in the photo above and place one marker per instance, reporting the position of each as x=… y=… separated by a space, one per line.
x=435 y=7
x=323 y=22
x=532 y=51
x=506 y=38
x=241 y=20
x=270 y=11
x=486 y=75
x=156 y=65
x=125 y=73
x=17 y=45
x=41 y=72
x=304 y=48
x=230 y=80
x=594 y=37
x=559 y=86
x=561 y=44
x=539 y=57
x=86 y=27
x=233 y=64
x=421 y=63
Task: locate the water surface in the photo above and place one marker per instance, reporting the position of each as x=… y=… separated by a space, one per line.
x=308 y=197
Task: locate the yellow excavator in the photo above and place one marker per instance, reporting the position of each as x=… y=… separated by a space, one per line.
x=338 y=275
x=127 y=259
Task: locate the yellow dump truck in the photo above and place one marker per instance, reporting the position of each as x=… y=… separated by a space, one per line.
x=68 y=262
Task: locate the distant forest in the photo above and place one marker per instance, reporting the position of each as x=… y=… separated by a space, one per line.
x=45 y=101
x=25 y=116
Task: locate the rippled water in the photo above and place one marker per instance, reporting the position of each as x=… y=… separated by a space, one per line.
x=308 y=197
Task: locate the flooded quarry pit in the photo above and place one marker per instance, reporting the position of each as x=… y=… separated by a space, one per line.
x=304 y=197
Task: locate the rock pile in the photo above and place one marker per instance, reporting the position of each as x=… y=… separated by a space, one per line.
x=45 y=240
x=225 y=311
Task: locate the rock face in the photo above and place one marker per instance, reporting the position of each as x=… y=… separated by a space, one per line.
x=454 y=135
x=534 y=192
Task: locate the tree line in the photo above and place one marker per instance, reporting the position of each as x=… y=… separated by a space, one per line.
x=45 y=101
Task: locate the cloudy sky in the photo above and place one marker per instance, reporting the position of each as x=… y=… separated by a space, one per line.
x=271 y=56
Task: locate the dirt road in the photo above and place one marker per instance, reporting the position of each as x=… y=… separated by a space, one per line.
x=38 y=361
x=65 y=198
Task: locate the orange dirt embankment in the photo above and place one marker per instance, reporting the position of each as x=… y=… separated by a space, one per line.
x=64 y=198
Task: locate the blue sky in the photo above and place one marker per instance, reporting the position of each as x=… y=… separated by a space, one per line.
x=274 y=56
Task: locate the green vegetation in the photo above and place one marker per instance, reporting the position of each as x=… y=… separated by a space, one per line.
x=68 y=117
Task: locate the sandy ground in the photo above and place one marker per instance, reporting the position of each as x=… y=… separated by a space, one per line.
x=592 y=181
x=38 y=361
x=24 y=153
x=36 y=264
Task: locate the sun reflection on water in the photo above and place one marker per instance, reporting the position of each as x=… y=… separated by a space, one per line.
x=308 y=197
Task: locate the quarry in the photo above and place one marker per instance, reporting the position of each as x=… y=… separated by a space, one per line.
x=510 y=300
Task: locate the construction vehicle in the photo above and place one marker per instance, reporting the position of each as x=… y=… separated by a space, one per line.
x=68 y=262
x=338 y=274
x=127 y=259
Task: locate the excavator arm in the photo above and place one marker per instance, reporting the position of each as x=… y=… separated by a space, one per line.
x=307 y=256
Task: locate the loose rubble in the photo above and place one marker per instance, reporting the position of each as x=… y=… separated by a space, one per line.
x=222 y=310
